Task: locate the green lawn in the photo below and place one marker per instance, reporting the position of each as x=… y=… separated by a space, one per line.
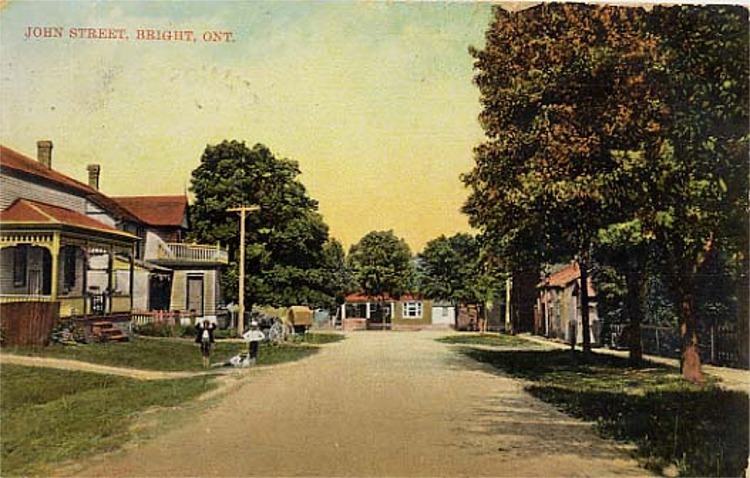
x=164 y=354
x=703 y=431
x=321 y=338
x=501 y=340
x=49 y=416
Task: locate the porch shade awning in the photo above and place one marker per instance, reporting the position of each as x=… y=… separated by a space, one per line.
x=24 y=213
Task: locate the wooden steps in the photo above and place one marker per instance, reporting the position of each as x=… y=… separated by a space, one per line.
x=106 y=332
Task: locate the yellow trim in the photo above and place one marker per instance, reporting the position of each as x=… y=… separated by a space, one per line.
x=58 y=223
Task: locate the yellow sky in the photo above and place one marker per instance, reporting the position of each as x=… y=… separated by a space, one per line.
x=374 y=100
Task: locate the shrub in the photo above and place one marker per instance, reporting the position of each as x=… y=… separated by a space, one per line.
x=158 y=329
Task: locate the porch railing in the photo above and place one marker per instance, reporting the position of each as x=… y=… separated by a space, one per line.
x=192 y=253
x=10 y=298
x=170 y=317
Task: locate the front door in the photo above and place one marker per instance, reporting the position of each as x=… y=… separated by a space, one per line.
x=380 y=316
x=160 y=292
x=195 y=294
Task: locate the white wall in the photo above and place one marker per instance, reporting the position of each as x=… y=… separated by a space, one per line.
x=443 y=315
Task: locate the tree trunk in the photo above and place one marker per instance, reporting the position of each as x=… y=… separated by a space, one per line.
x=523 y=297
x=635 y=282
x=585 y=325
x=691 y=361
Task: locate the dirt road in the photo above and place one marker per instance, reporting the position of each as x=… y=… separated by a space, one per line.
x=377 y=404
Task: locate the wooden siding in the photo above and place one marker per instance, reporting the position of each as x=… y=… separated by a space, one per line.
x=426 y=319
x=141 y=289
x=71 y=306
x=179 y=290
x=33 y=270
x=6 y=272
x=28 y=323
x=12 y=188
x=120 y=304
x=95 y=212
x=209 y=293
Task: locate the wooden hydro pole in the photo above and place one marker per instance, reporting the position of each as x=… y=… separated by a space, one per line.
x=243 y=210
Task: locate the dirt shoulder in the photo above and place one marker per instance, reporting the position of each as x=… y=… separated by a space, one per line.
x=79 y=365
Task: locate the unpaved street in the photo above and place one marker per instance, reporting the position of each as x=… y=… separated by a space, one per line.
x=376 y=404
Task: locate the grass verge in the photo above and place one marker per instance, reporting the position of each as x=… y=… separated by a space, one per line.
x=319 y=338
x=50 y=416
x=702 y=431
x=162 y=354
x=501 y=340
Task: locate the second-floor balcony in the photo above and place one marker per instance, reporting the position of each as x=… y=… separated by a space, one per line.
x=182 y=253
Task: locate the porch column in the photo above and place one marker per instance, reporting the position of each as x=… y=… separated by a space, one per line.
x=110 y=278
x=85 y=280
x=55 y=254
x=131 y=284
x=367 y=310
x=343 y=313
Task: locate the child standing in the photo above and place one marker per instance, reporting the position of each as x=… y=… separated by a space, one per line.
x=205 y=337
x=253 y=336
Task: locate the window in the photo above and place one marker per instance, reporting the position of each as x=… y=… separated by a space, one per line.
x=69 y=268
x=412 y=310
x=20 y=264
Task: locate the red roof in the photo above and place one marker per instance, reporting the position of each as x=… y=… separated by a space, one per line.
x=10 y=159
x=566 y=276
x=15 y=160
x=359 y=297
x=24 y=211
x=156 y=210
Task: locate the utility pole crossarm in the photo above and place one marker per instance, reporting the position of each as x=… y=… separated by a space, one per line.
x=243 y=210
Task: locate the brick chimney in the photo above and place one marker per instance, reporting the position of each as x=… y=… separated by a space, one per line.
x=44 y=152
x=93 y=170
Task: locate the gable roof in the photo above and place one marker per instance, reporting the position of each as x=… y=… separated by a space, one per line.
x=565 y=277
x=156 y=210
x=361 y=297
x=27 y=212
x=15 y=161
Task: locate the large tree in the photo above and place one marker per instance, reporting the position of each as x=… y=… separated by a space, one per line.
x=285 y=239
x=337 y=278
x=447 y=269
x=453 y=269
x=557 y=85
x=382 y=265
x=619 y=130
x=702 y=188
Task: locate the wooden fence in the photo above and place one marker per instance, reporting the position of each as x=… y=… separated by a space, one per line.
x=28 y=323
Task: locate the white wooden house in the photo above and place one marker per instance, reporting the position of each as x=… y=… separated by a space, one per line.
x=185 y=276
x=52 y=228
x=66 y=242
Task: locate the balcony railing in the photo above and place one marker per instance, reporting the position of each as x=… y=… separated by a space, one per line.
x=181 y=252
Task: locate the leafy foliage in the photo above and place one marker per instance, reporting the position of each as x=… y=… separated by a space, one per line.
x=619 y=130
x=285 y=239
x=382 y=265
x=450 y=269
